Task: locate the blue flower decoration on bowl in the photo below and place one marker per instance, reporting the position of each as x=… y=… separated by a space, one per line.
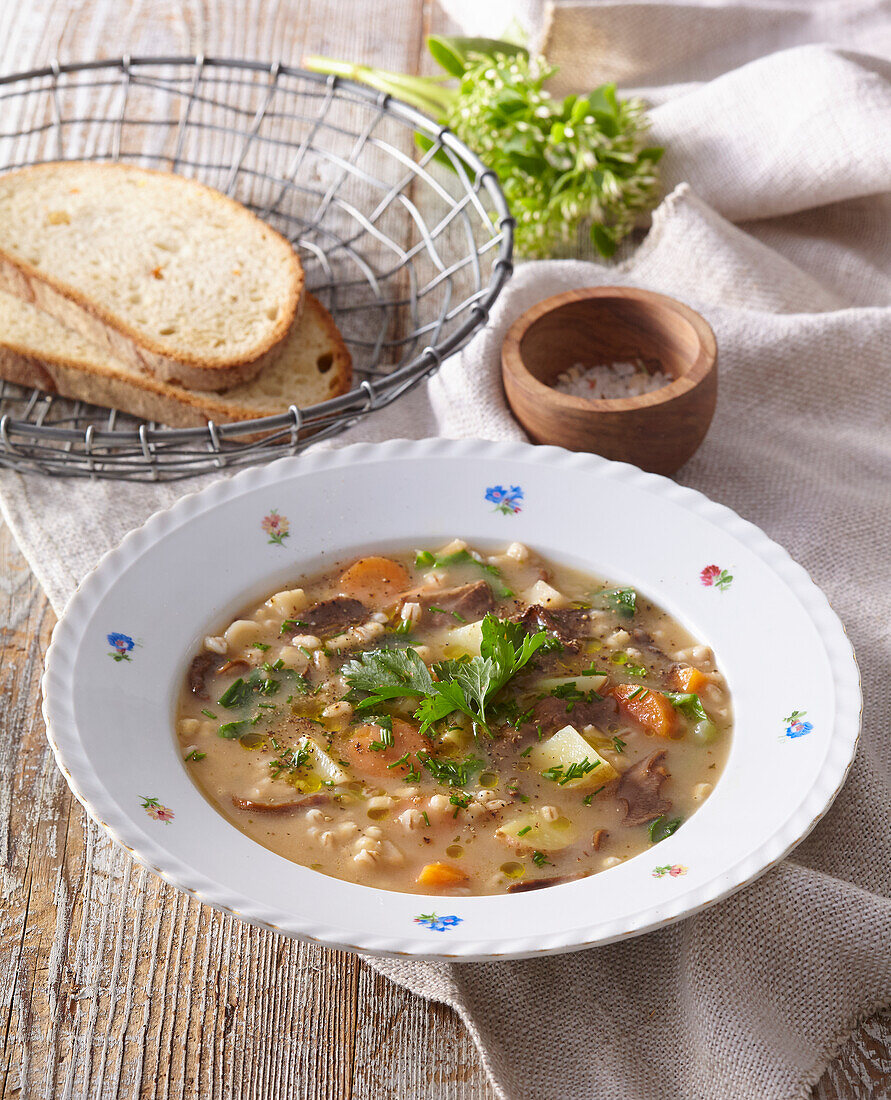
x=505 y=500
x=795 y=724
x=121 y=644
x=438 y=924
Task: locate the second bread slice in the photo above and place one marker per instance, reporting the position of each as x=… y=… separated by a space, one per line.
x=35 y=350
x=169 y=276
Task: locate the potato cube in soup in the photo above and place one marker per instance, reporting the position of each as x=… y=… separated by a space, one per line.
x=464 y=639
x=289 y=603
x=545 y=595
x=533 y=830
x=566 y=748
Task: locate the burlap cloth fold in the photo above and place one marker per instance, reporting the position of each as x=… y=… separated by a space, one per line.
x=751 y=998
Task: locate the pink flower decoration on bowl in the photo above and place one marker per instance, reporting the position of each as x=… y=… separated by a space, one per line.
x=713 y=576
x=672 y=869
x=276 y=526
x=153 y=808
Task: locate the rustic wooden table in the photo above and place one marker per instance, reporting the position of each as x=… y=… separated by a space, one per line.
x=112 y=984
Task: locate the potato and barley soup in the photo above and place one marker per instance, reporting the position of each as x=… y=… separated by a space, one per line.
x=450 y=721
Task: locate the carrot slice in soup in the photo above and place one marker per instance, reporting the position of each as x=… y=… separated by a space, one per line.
x=375 y=581
x=440 y=874
x=356 y=748
x=649 y=708
x=691 y=680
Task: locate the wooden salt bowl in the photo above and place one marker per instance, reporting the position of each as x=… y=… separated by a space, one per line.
x=657 y=431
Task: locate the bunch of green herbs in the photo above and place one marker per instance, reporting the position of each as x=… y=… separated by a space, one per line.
x=562 y=163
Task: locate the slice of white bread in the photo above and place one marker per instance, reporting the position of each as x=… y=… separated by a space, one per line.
x=166 y=274
x=36 y=350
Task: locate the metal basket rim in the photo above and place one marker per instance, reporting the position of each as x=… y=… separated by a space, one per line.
x=361 y=399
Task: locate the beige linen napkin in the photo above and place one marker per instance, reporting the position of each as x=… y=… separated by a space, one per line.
x=750 y=999
x=660 y=45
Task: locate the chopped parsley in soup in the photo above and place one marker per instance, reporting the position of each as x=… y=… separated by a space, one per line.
x=455 y=722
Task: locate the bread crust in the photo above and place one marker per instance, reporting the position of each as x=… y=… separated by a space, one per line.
x=137 y=349
x=150 y=398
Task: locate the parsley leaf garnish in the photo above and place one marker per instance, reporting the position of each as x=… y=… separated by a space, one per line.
x=231 y=730
x=236 y=694
x=388 y=674
x=621 y=600
x=258 y=682
x=466 y=685
x=660 y=829
x=688 y=704
x=451 y=694
x=510 y=646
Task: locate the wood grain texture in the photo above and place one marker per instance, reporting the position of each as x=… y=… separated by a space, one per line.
x=111 y=983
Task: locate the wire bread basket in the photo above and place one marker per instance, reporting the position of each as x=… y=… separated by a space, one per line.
x=407 y=250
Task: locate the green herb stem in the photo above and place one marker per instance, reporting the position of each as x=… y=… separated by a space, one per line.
x=560 y=162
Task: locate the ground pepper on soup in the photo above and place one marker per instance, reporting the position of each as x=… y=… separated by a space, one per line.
x=455 y=722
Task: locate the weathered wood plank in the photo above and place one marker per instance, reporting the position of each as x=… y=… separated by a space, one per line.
x=863 y=1067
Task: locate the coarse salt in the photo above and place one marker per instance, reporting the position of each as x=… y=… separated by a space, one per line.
x=609 y=380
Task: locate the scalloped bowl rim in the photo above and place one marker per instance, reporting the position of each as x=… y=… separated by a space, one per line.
x=362 y=918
